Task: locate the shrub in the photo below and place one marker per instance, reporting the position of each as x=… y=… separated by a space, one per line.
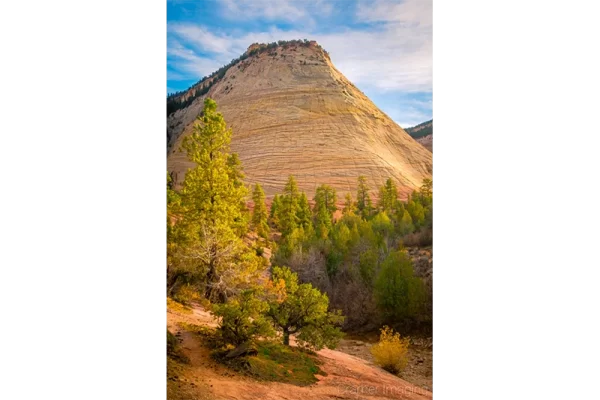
x=242 y=318
x=186 y=294
x=391 y=351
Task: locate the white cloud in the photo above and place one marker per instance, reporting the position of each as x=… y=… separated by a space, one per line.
x=395 y=54
x=187 y=64
x=200 y=37
x=270 y=10
x=414 y=12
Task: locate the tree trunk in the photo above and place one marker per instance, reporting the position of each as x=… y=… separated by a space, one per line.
x=172 y=285
x=286 y=336
x=211 y=276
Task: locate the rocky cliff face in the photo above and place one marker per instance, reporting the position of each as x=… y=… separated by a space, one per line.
x=293 y=112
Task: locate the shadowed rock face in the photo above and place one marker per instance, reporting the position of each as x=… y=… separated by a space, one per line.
x=293 y=112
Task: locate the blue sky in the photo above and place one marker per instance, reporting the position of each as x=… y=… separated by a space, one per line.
x=383 y=46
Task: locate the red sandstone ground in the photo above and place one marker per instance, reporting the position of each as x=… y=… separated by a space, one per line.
x=348 y=376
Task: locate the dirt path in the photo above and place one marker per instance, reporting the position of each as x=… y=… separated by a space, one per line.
x=348 y=377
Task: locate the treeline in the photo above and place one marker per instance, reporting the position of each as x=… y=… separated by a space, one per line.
x=421 y=130
x=208 y=256
x=175 y=101
x=359 y=260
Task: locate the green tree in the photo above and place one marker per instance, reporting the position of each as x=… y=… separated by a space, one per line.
x=304 y=310
x=288 y=216
x=399 y=294
x=363 y=199
x=342 y=237
x=417 y=213
x=259 y=214
x=399 y=209
x=211 y=189
x=176 y=238
x=325 y=196
x=243 y=318
x=382 y=224
x=405 y=225
x=236 y=173
x=304 y=213
x=212 y=201
x=367 y=264
x=323 y=223
x=275 y=209
x=349 y=206
x=388 y=196
x=426 y=194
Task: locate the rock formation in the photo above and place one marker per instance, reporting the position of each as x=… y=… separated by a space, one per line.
x=293 y=112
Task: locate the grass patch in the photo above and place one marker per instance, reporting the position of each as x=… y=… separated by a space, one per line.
x=278 y=363
x=178 y=307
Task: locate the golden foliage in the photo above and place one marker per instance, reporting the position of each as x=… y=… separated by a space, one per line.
x=186 y=294
x=177 y=307
x=276 y=290
x=391 y=351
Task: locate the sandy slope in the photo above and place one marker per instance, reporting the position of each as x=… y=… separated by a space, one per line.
x=348 y=377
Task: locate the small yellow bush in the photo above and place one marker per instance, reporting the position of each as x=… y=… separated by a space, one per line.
x=391 y=351
x=186 y=294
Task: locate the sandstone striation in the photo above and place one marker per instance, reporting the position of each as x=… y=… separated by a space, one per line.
x=293 y=112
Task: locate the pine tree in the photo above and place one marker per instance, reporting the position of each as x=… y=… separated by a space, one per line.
x=381 y=199
x=325 y=196
x=259 y=214
x=391 y=194
x=304 y=213
x=363 y=200
x=426 y=192
x=288 y=218
x=323 y=222
x=349 y=206
x=211 y=190
x=213 y=208
x=275 y=210
x=405 y=224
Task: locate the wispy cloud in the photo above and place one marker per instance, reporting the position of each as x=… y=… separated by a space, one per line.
x=382 y=46
x=270 y=10
x=413 y=12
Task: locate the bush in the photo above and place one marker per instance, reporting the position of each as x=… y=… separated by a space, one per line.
x=242 y=318
x=391 y=351
x=186 y=294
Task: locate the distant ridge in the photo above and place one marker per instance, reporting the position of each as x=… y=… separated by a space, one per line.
x=423 y=129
